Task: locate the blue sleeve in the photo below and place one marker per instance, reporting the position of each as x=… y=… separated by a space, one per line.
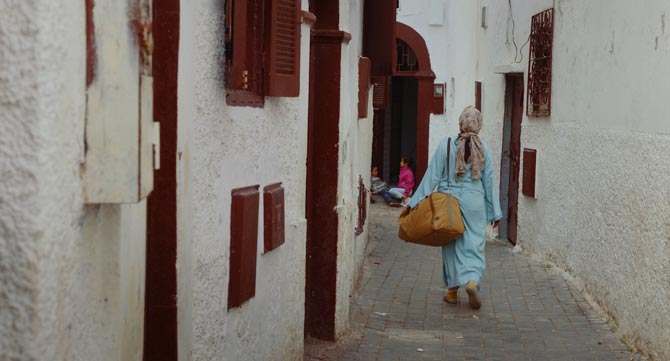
x=433 y=175
x=493 y=212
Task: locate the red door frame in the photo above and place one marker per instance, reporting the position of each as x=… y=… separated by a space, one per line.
x=160 y=314
x=426 y=79
x=322 y=170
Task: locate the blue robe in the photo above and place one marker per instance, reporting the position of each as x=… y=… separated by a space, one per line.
x=464 y=259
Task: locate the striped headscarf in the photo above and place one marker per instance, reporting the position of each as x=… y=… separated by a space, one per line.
x=470 y=123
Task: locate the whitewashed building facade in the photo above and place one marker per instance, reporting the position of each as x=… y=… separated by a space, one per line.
x=601 y=179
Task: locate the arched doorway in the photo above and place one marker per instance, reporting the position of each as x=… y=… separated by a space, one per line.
x=403 y=128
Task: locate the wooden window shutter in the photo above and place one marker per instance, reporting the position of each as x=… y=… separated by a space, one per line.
x=380 y=92
x=363 y=86
x=244 y=47
x=529 y=170
x=282 y=48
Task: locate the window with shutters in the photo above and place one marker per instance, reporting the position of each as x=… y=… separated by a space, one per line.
x=262 y=50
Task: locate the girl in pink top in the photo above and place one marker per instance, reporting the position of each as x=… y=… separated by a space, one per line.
x=405 y=182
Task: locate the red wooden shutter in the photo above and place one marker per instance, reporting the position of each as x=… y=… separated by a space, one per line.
x=529 y=169
x=380 y=92
x=363 y=86
x=282 y=56
x=244 y=46
x=243 y=245
x=273 y=216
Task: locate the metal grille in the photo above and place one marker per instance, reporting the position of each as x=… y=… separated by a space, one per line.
x=362 y=205
x=406 y=58
x=539 y=64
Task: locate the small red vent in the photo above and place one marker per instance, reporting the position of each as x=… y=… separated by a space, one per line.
x=529 y=170
x=380 y=92
x=243 y=245
x=273 y=216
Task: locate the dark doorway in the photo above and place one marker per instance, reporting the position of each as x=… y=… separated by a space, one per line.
x=402 y=142
x=511 y=156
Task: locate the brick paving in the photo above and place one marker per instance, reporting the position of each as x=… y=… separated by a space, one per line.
x=529 y=311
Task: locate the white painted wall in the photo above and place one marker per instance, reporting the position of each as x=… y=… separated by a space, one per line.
x=222 y=148
x=355 y=160
x=603 y=192
x=72 y=275
x=453 y=59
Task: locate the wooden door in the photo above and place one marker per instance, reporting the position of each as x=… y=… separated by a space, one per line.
x=511 y=157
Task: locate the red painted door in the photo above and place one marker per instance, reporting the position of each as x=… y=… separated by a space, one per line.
x=515 y=92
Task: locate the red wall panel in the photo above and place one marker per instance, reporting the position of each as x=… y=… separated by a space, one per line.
x=243 y=245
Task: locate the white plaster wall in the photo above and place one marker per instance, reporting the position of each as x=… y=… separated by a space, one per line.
x=72 y=276
x=602 y=185
x=222 y=148
x=354 y=160
x=453 y=58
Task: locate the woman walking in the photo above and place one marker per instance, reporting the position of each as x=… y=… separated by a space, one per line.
x=474 y=185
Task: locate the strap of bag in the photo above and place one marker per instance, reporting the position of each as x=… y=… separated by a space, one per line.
x=448 y=161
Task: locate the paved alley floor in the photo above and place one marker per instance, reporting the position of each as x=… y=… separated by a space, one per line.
x=529 y=310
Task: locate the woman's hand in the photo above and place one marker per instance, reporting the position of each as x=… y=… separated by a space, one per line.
x=496 y=224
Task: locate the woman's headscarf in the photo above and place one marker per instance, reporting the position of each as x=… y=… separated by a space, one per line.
x=470 y=123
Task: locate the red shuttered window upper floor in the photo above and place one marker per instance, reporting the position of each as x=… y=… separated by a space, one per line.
x=262 y=50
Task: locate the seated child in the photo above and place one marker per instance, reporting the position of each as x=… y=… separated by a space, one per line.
x=378 y=186
x=405 y=183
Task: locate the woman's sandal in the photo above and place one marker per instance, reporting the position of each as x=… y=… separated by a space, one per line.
x=473 y=295
x=451 y=297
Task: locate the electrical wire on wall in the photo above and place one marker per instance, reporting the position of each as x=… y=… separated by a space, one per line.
x=518 y=53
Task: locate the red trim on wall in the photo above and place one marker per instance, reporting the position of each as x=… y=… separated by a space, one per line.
x=426 y=77
x=424 y=107
x=160 y=328
x=322 y=171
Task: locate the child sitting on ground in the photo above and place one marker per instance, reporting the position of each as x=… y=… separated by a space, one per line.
x=405 y=183
x=379 y=187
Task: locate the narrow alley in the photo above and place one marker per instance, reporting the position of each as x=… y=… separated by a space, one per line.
x=193 y=180
x=529 y=310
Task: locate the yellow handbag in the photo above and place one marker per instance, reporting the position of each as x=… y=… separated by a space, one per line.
x=435 y=221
